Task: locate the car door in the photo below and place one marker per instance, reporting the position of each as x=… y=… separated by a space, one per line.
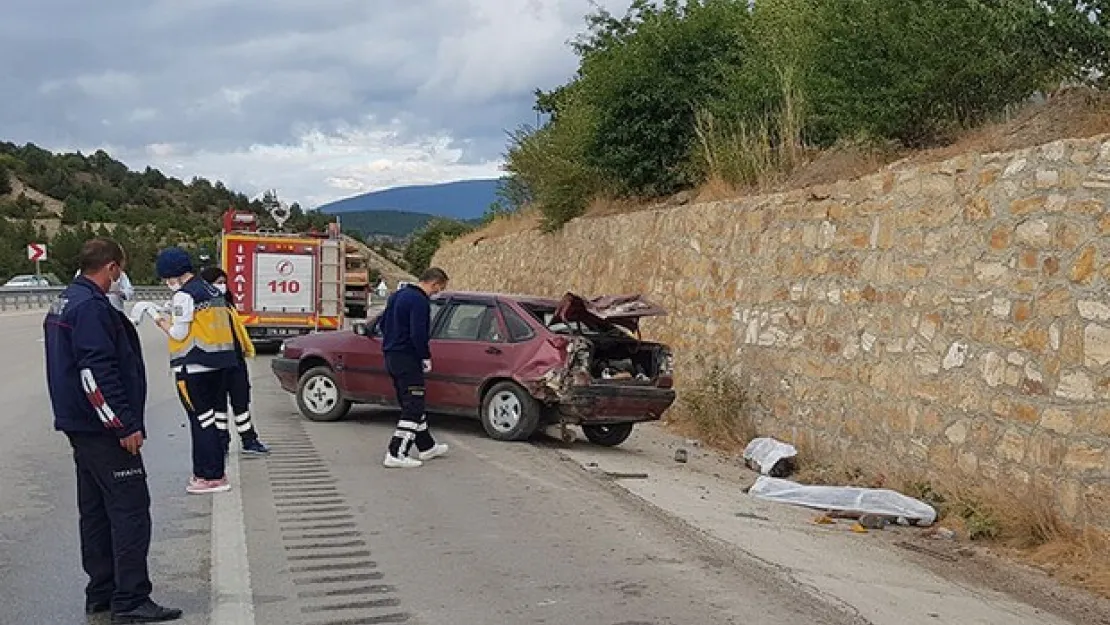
x=468 y=348
x=365 y=376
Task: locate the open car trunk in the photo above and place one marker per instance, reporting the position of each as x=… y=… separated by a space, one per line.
x=607 y=338
x=624 y=360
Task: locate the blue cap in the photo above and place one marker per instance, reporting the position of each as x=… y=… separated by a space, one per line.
x=173 y=262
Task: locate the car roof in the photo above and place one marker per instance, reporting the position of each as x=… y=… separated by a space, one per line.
x=520 y=299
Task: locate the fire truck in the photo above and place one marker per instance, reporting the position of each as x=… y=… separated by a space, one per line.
x=283 y=284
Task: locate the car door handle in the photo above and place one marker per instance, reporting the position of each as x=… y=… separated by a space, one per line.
x=492 y=350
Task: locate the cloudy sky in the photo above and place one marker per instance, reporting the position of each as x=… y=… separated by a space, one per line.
x=320 y=99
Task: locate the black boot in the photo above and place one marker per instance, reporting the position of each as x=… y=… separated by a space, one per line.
x=96 y=607
x=148 y=612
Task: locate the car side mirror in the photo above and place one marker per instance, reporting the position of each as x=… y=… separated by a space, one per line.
x=360 y=328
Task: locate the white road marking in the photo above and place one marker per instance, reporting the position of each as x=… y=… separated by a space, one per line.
x=232 y=597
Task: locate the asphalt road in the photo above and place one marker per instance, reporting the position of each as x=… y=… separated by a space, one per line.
x=319 y=533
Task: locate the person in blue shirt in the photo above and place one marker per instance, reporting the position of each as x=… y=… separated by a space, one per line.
x=97 y=384
x=405 y=325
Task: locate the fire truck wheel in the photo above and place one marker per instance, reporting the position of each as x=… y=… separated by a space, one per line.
x=319 y=397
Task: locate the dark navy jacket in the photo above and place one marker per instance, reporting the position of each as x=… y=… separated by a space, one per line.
x=405 y=323
x=94 y=364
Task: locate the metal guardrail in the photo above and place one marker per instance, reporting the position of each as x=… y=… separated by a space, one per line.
x=41 y=298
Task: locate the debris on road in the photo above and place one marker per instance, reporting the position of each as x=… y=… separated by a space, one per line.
x=680 y=455
x=926 y=551
x=625 y=476
x=874 y=501
x=941 y=533
x=770 y=457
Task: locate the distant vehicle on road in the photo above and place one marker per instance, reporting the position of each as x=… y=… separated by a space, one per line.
x=27 y=281
x=517 y=363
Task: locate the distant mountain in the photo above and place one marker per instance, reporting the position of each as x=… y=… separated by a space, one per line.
x=462 y=200
x=384 y=222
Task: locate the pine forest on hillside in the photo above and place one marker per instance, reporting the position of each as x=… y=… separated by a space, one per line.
x=64 y=199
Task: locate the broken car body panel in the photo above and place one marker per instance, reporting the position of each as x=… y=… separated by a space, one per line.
x=622 y=310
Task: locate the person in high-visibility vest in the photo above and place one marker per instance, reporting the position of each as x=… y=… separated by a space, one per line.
x=202 y=341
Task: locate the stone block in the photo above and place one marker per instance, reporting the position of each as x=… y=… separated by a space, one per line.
x=999 y=238
x=1085 y=458
x=1083 y=269
x=993 y=369
x=1076 y=386
x=1051 y=266
x=1012 y=446
x=1034 y=233
x=978 y=209
x=991 y=272
x=1058 y=419
x=1089 y=207
x=1034 y=339
x=1096 y=346
x=1047 y=178
x=1027 y=205
x=1057 y=302
x=1045 y=451
x=1070 y=235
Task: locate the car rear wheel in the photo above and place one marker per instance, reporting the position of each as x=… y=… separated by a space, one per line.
x=319 y=397
x=509 y=413
x=608 y=435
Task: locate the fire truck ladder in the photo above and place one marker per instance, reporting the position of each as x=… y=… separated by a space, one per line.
x=331 y=279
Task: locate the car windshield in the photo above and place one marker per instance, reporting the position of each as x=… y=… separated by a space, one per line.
x=546 y=316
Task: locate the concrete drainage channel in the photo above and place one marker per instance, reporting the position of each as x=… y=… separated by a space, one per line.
x=337 y=581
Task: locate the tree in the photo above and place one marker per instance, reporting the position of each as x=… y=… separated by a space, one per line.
x=5 y=179
x=425 y=242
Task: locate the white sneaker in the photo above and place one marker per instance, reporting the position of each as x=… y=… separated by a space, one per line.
x=393 y=462
x=439 y=449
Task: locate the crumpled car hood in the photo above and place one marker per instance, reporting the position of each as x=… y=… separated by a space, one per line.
x=620 y=310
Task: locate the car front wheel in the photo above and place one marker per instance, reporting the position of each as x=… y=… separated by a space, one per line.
x=608 y=435
x=319 y=397
x=509 y=413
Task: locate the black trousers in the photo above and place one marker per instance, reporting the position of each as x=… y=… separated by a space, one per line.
x=114 y=505
x=238 y=384
x=407 y=372
x=205 y=401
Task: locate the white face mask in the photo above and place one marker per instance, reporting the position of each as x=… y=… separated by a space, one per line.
x=222 y=288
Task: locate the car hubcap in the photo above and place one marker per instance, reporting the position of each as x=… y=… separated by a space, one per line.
x=320 y=394
x=504 y=411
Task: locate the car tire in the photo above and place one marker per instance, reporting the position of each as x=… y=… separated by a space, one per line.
x=319 y=397
x=509 y=413
x=608 y=435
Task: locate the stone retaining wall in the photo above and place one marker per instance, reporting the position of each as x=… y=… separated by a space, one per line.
x=953 y=317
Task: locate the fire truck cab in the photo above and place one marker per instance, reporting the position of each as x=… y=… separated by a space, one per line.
x=283 y=284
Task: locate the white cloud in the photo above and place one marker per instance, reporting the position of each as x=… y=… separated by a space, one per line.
x=323 y=166
x=320 y=100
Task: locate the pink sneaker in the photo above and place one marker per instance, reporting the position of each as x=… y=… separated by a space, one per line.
x=198 y=486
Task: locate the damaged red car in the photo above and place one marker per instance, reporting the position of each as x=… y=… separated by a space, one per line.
x=516 y=363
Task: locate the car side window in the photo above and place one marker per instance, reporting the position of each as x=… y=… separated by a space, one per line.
x=376 y=330
x=519 y=330
x=468 y=322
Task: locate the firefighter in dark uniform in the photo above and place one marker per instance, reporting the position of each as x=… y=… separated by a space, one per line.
x=97 y=383
x=406 y=324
